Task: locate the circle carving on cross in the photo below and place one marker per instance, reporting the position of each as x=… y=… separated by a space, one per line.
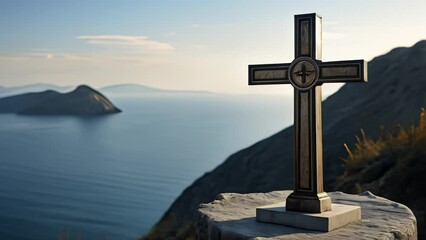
x=303 y=73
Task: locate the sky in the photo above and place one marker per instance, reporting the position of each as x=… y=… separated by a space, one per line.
x=192 y=45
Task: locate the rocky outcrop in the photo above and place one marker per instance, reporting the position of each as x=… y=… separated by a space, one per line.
x=232 y=216
x=83 y=101
x=394 y=95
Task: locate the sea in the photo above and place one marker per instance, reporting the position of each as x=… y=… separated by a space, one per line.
x=114 y=176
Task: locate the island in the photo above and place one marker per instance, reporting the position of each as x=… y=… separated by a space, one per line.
x=82 y=101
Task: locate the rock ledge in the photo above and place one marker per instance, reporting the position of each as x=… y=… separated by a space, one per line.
x=233 y=216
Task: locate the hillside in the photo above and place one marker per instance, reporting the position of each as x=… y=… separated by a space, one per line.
x=82 y=101
x=129 y=89
x=18 y=103
x=32 y=88
x=135 y=90
x=391 y=166
x=395 y=92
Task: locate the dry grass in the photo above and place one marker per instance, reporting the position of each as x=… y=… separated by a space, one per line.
x=393 y=166
x=366 y=151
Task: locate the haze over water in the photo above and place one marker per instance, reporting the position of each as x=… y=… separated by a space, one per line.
x=114 y=176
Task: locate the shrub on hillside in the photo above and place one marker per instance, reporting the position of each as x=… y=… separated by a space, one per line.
x=392 y=166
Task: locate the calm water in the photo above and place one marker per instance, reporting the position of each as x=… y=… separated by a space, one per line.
x=113 y=177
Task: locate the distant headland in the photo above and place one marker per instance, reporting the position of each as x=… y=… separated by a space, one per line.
x=82 y=101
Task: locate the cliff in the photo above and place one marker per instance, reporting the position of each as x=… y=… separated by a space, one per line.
x=395 y=92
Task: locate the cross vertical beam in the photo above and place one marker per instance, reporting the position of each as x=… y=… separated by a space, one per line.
x=308 y=36
x=308 y=195
x=306 y=73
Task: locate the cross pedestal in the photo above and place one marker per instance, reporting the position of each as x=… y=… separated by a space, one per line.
x=306 y=74
x=231 y=216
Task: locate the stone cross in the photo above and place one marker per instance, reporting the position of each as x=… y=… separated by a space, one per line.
x=306 y=74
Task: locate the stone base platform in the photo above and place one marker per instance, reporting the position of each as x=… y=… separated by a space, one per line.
x=339 y=216
x=233 y=216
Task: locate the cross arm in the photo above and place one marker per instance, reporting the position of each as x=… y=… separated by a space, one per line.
x=268 y=74
x=343 y=71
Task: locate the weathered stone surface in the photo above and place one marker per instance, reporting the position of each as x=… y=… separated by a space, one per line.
x=233 y=216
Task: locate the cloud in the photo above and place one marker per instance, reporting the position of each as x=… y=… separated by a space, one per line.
x=195 y=25
x=13 y=58
x=37 y=55
x=141 y=43
x=50 y=55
